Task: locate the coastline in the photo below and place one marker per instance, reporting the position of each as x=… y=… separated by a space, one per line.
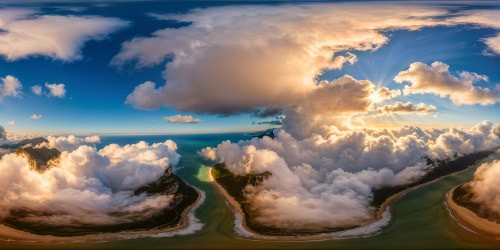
x=242 y=228
x=383 y=213
x=469 y=220
x=12 y=234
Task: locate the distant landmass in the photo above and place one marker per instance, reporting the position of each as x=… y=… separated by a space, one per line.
x=33 y=142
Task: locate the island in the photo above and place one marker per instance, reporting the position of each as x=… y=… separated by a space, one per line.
x=469 y=207
x=172 y=217
x=232 y=187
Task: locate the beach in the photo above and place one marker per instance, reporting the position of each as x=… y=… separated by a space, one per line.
x=470 y=220
x=382 y=217
x=12 y=234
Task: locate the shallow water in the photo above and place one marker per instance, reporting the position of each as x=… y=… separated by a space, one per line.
x=419 y=219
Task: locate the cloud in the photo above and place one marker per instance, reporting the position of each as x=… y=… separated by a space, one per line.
x=436 y=79
x=278 y=120
x=53 y=90
x=408 y=107
x=327 y=179
x=484 y=19
x=330 y=104
x=3 y=134
x=493 y=44
x=87 y=186
x=69 y=143
x=37 y=89
x=10 y=86
x=11 y=123
x=36 y=117
x=56 y=90
x=484 y=188
x=27 y=33
x=181 y=119
x=384 y=94
x=230 y=59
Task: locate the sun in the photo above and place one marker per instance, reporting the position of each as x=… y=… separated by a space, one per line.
x=375 y=97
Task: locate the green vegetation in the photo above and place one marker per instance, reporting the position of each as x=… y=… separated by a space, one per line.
x=184 y=197
x=437 y=169
x=235 y=186
x=463 y=196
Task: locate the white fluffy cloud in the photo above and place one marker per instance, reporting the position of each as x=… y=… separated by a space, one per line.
x=36 y=117
x=69 y=143
x=245 y=58
x=88 y=186
x=485 y=188
x=52 y=90
x=408 y=107
x=37 y=89
x=27 y=33
x=10 y=86
x=56 y=90
x=239 y=59
x=181 y=119
x=437 y=79
x=326 y=180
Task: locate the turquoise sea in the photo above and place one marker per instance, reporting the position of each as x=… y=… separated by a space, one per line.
x=420 y=219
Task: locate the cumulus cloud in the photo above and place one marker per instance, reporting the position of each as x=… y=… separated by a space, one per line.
x=485 y=188
x=408 y=107
x=28 y=33
x=37 y=90
x=384 y=94
x=36 y=117
x=266 y=57
x=331 y=103
x=52 y=90
x=56 y=90
x=285 y=57
x=326 y=180
x=181 y=119
x=437 y=79
x=87 y=186
x=69 y=143
x=10 y=86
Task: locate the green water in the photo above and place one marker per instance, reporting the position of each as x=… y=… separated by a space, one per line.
x=419 y=221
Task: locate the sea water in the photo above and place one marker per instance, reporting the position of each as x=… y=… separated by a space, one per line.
x=420 y=219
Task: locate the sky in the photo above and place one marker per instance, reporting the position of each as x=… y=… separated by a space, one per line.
x=211 y=67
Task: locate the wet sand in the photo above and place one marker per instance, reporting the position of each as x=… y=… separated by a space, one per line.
x=470 y=220
x=12 y=234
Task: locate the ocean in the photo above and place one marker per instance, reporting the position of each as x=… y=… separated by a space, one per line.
x=420 y=219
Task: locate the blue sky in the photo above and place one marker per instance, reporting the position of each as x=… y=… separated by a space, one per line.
x=96 y=91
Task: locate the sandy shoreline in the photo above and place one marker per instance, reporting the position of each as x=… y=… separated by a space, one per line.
x=470 y=220
x=12 y=234
x=383 y=213
x=242 y=228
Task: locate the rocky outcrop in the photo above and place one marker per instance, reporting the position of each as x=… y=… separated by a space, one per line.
x=40 y=158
